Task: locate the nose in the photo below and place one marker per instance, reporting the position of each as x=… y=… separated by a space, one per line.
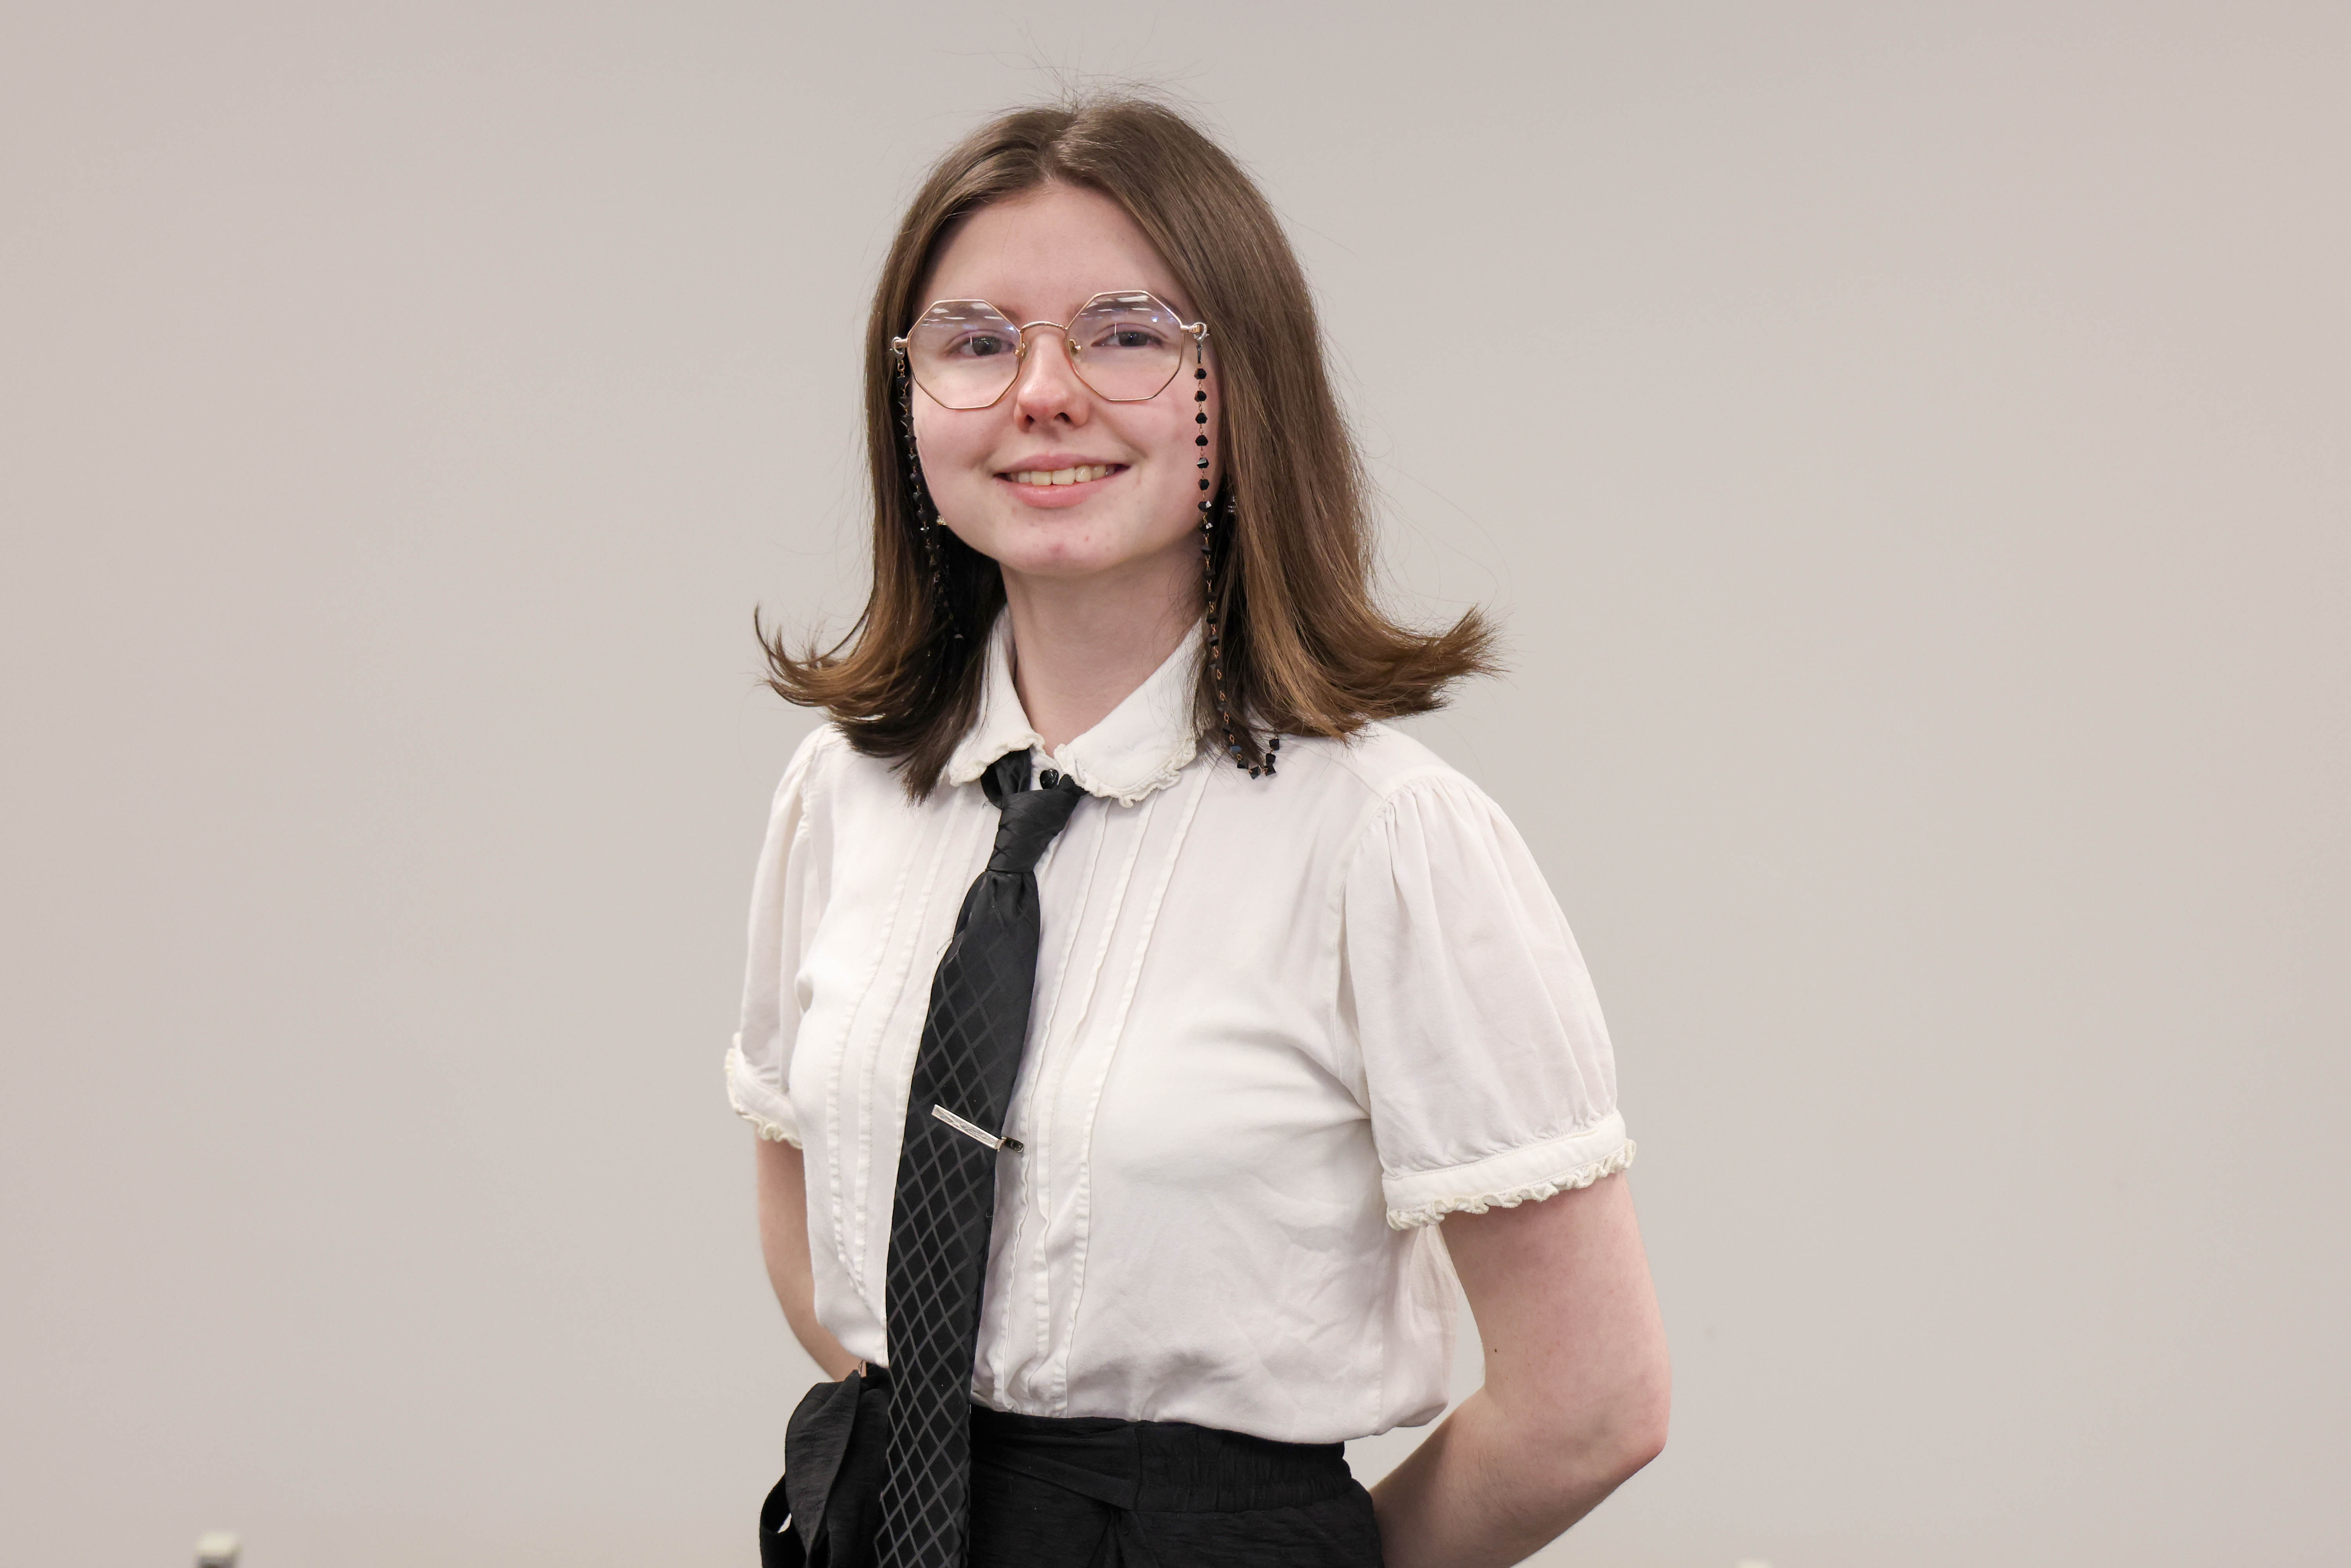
x=1048 y=389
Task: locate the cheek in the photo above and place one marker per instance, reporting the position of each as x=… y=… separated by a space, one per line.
x=1175 y=473
x=951 y=452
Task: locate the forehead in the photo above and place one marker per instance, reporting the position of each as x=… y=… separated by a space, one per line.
x=1037 y=255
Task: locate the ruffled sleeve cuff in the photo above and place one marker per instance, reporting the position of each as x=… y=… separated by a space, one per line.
x=758 y=1102
x=1514 y=1176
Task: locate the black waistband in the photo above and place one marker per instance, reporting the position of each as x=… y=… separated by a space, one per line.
x=834 y=1463
x=1158 y=1467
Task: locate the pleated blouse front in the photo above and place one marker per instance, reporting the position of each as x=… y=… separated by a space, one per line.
x=1281 y=1028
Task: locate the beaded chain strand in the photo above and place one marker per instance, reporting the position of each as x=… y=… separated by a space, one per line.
x=1208 y=583
x=918 y=502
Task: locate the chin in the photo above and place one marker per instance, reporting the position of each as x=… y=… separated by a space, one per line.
x=1066 y=545
x=1067 y=564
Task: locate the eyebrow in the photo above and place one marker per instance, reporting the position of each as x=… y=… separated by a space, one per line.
x=1021 y=318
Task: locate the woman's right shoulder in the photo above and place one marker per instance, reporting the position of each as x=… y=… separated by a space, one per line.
x=826 y=769
x=806 y=795
x=823 y=741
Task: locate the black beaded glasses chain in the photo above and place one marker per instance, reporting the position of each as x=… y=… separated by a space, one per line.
x=926 y=515
x=927 y=529
x=1208 y=585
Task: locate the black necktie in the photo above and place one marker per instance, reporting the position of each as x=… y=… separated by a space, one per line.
x=971 y=1053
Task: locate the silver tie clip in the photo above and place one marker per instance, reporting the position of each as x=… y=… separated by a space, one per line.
x=974 y=1130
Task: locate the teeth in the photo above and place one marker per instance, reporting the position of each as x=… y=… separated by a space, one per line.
x=1062 y=475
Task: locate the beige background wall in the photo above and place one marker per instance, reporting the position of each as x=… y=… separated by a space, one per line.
x=1907 y=444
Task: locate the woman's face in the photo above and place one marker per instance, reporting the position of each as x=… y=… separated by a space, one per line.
x=1038 y=256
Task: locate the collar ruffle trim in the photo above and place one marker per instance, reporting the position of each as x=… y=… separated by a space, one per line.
x=1141 y=747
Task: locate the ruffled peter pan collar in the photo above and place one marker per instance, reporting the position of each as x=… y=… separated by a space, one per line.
x=1139 y=746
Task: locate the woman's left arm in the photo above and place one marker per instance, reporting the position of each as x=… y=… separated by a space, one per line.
x=1576 y=1390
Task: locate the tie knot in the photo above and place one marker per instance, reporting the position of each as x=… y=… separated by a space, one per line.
x=1031 y=820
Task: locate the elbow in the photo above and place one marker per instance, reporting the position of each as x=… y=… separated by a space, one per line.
x=1638 y=1430
x=1575 y=1463
x=1636 y=1437
x=1610 y=1445
x=1643 y=1408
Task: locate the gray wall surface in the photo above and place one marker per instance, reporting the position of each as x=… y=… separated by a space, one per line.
x=1908 y=447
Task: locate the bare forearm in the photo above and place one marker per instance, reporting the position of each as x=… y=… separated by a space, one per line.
x=1578 y=1384
x=784 y=1244
x=1480 y=1493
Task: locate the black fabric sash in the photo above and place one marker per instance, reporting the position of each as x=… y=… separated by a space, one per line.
x=1122 y=1494
x=836 y=1455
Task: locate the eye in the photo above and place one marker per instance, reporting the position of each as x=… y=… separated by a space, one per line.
x=1128 y=335
x=979 y=346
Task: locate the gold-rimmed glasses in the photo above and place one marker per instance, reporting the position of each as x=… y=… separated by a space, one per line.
x=1125 y=345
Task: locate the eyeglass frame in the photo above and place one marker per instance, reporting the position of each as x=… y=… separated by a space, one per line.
x=1199 y=331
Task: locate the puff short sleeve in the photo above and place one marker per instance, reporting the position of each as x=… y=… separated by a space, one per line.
x=1487 y=1067
x=786 y=896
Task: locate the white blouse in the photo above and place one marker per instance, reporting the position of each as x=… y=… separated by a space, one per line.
x=1281 y=1027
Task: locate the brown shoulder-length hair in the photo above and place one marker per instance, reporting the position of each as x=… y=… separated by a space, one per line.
x=1306 y=649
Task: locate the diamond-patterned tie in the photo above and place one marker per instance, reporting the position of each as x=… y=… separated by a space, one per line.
x=971 y=1053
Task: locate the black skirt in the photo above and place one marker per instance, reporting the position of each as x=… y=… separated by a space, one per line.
x=1078 y=1492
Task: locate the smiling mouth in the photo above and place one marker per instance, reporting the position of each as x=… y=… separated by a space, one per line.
x=1062 y=475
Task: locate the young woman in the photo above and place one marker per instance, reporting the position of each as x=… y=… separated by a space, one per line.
x=1127 y=1003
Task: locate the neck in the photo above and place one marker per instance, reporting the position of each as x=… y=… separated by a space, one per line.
x=1081 y=646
